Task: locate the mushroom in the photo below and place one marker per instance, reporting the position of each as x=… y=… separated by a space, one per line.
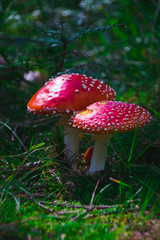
x=104 y=118
x=65 y=95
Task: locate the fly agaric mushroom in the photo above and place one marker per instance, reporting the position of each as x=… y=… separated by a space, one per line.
x=103 y=119
x=65 y=95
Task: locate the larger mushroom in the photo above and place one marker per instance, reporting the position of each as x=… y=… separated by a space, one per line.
x=104 y=118
x=65 y=95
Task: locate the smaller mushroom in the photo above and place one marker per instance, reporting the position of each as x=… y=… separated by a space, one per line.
x=104 y=118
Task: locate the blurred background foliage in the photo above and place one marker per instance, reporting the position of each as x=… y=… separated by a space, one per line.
x=40 y=39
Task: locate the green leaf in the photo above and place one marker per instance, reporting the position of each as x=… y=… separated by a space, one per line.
x=37 y=146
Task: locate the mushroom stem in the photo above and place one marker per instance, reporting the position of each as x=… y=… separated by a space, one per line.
x=71 y=141
x=99 y=153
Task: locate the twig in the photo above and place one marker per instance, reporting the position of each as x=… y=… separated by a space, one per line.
x=30 y=166
x=93 y=194
x=47 y=208
x=79 y=215
x=54 y=211
x=89 y=213
x=89 y=207
x=114 y=212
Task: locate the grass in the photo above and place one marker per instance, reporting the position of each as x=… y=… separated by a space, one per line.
x=41 y=198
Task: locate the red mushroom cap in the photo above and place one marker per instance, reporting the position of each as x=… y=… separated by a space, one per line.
x=110 y=116
x=69 y=93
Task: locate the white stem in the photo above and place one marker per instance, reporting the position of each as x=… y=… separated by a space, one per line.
x=71 y=138
x=71 y=141
x=99 y=154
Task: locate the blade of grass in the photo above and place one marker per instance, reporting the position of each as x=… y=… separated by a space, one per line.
x=133 y=141
x=15 y=172
x=121 y=159
x=132 y=146
x=6 y=125
x=17 y=201
x=144 y=150
x=145 y=14
x=98 y=196
x=149 y=188
x=120 y=182
x=136 y=193
x=118 y=140
x=33 y=147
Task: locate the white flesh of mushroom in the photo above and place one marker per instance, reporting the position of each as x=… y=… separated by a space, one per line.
x=71 y=141
x=99 y=153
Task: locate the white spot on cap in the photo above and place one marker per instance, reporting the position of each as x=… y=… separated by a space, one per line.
x=84 y=86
